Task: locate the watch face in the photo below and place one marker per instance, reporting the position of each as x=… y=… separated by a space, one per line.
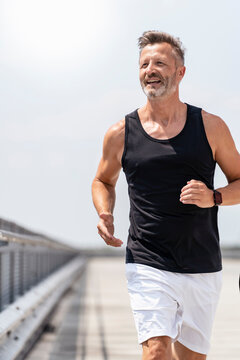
x=217 y=197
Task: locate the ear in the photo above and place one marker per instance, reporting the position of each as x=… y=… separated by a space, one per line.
x=181 y=71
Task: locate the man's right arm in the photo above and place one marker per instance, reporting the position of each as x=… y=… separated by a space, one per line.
x=103 y=185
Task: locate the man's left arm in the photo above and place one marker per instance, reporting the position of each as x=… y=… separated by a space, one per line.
x=228 y=158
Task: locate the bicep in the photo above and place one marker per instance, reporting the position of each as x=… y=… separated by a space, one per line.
x=110 y=166
x=227 y=155
x=108 y=170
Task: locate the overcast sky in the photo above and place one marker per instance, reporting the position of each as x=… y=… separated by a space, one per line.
x=68 y=70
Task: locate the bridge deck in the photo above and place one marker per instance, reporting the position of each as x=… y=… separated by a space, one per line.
x=94 y=320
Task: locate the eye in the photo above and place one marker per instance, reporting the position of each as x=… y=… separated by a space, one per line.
x=144 y=65
x=160 y=63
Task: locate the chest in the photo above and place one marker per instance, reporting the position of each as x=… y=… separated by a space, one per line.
x=164 y=130
x=186 y=156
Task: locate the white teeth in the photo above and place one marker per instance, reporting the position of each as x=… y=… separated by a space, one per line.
x=153 y=81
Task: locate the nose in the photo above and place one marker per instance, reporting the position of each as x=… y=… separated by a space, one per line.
x=150 y=68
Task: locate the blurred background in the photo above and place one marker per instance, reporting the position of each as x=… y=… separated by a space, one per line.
x=68 y=71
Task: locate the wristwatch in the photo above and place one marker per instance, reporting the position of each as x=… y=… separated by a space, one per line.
x=217 y=196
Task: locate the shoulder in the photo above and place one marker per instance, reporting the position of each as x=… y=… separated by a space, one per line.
x=216 y=130
x=215 y=126
x=226 y=153
x=218 y=134
x=113 y=143
x=214 y=123
x=116 y=132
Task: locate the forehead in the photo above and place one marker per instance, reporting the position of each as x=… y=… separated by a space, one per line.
x=163 y=50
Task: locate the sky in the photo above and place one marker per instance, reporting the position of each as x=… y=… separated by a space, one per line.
x=68 y=71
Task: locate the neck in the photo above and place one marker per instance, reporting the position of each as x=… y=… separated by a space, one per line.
x=165 y=109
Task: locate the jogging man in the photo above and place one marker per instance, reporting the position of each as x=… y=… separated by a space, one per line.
x=168 y=150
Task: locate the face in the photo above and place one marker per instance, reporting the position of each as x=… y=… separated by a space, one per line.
x=159 y=74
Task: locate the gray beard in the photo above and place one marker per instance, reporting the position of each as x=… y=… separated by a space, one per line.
x=154 y=93
x=166 y=89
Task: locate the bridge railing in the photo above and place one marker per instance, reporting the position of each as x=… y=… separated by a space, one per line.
x=35 y=272
x=26 y=258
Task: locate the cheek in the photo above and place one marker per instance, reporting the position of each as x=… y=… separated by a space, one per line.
x=141 y=76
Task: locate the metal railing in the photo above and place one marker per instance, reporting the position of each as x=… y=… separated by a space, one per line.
x=35 y=272
x=26 y=258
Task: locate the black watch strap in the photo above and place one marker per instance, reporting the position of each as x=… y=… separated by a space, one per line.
x=217 y=196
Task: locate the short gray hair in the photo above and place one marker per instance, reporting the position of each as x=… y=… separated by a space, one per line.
x=152 y=37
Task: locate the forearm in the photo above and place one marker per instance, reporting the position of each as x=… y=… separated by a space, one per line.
x=103 y=196
x=230 y=193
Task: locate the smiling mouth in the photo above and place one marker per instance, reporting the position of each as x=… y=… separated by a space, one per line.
x=153 y=82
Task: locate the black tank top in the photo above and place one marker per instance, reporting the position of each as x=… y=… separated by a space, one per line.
x=165 y=233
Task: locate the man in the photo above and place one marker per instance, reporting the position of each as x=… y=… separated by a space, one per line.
x=168 y=150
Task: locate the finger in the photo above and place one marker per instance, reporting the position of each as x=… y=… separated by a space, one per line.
x=192 y=186
x=108 y=237
x=110 y=240
x=190 y=197
x=113 y=242
x=116 y=243
x=192 y=201
x=105 y=234
x=104 y=230
x=197 y=192
x=194 y=181
x=104 y=237
x=191 y=191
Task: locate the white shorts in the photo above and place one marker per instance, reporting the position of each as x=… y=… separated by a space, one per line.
x=181 y=306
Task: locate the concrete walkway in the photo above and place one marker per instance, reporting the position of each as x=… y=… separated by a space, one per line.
x=94 y=320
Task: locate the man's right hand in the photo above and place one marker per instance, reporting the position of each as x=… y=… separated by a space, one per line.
x=106 y=230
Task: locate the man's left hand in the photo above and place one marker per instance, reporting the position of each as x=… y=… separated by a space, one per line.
x=197 y=193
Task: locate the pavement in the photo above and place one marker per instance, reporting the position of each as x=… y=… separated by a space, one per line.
x=94 y=321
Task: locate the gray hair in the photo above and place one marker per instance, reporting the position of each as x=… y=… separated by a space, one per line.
x=152 y=37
